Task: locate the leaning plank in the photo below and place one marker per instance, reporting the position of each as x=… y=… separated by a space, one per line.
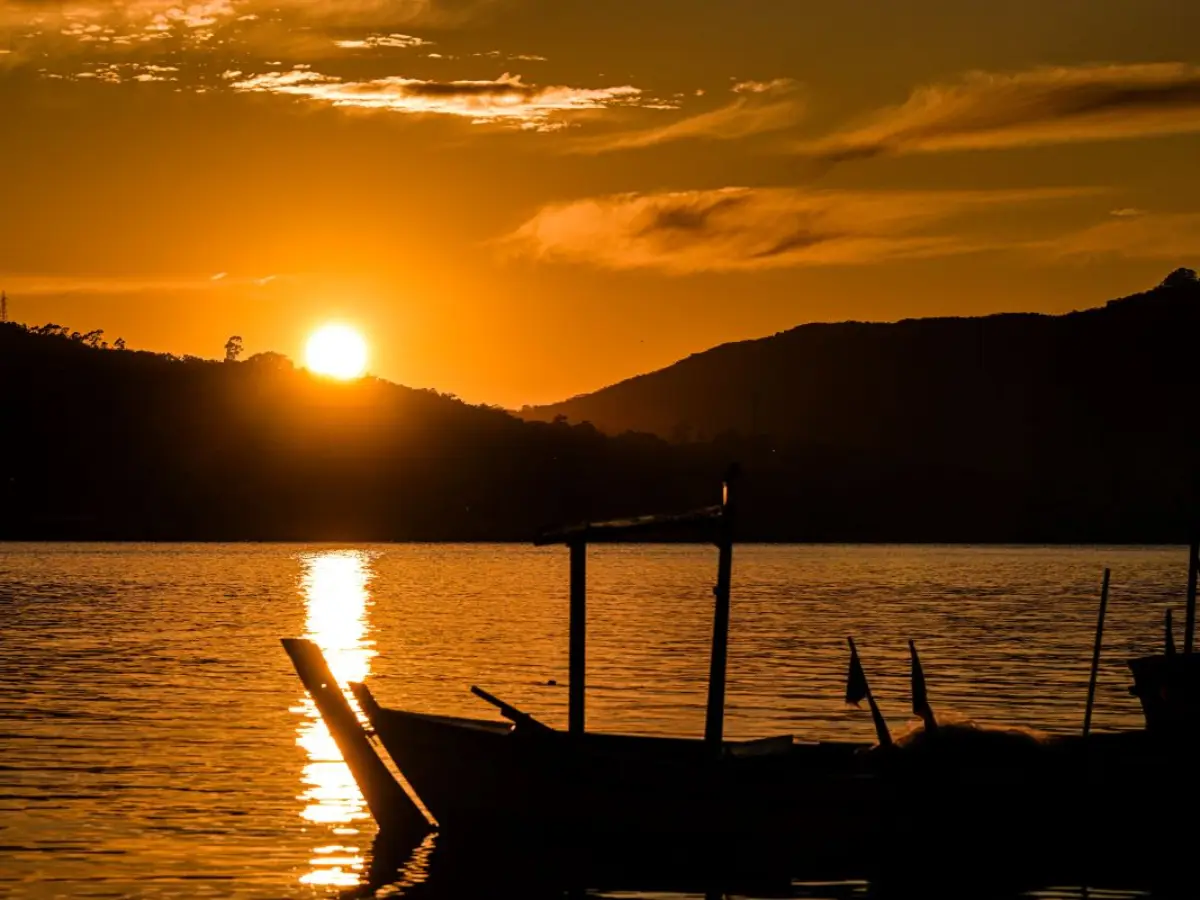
x=617 y=529
x=391 y=807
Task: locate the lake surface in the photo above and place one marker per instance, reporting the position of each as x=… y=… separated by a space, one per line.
x=155 y=742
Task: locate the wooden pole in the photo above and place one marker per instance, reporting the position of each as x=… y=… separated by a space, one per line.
x=714 y=719
x=1091 y=695
x=577 y=663
x=1189 y=628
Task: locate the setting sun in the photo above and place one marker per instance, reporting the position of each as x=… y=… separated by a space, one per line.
x=337 y=351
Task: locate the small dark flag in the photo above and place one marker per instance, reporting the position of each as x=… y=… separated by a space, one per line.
x=920 y=698
x=1170 y=648
x=856 y=681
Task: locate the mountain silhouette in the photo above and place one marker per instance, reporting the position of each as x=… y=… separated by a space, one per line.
x=1095 y=402
x=111 y=443
x=1029 y=428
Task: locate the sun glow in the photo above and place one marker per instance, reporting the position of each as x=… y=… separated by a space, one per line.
x=337 y=351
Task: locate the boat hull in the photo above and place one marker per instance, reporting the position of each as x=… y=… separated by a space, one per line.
x=478 y=776
x=1062 y=804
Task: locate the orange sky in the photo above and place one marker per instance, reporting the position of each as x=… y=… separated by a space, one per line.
x=520 y=200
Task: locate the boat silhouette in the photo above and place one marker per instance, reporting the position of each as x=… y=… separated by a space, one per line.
x=1004 y=800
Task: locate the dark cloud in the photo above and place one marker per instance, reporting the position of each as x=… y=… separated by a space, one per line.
x=1040 y=106
x=744 y=229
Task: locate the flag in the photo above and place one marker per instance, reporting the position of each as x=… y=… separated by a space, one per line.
x=920 y=698
x=856 y=681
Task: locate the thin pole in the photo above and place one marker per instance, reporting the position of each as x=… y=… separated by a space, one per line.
x=1189 y=628
x=577 y=663
x=714 y=720
x=1091 y=695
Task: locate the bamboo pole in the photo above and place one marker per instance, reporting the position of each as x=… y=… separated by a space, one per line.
x=1189 y=628
x=714 y=719
x=577 y=662
x=1091 y=695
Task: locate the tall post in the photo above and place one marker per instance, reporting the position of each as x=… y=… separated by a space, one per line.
x=577 y=663
x=714 y=720
x=1189 y=628
x=1091 y=695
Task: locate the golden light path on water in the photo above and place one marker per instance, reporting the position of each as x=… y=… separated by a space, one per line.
x=336 y=588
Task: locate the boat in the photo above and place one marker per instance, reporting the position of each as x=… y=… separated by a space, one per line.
x=1168 y=684
x=978 y=794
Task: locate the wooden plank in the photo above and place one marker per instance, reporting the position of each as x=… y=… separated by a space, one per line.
x=577 y=652
x=507 y=710
x=391 y=807
x=618 y=529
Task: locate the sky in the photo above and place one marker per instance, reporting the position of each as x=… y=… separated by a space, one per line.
x=517 y=201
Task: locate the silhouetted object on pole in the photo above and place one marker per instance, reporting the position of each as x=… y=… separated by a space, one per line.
x=390 y=805
x=920 y=698
x=577 y=663
x=858 y=690
x=1169 y=637
x=1091 y=694
x=714 y=718
x=1189 y=627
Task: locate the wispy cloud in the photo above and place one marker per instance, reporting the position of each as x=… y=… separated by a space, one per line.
x=35 y=285
x=1039 y=106
x=506 y=100
x=744 y=229
x=1133 y=234
x=759 y=108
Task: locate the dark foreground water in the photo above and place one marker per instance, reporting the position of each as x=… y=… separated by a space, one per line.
x=154 y=741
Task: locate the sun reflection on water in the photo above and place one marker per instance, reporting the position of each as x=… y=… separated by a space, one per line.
x=336 y=589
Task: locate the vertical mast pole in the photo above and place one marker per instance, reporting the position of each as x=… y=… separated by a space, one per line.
x=577 y=652
x=1189 y=628
x=714 y=720
x=1091 y=694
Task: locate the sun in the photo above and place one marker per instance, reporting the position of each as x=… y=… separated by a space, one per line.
x=336 y=351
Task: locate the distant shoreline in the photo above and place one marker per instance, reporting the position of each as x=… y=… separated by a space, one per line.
x=1130 y=544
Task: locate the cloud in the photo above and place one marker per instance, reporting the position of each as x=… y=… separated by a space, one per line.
x=33 y=285
x=985 y=111
x=506 y=100
x=123 y=72
x=760 y=107
x=35 y=29
x=372 y=41
x=745 y=229
x=1143 y=235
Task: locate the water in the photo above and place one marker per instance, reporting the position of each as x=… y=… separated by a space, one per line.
x=154 y=741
